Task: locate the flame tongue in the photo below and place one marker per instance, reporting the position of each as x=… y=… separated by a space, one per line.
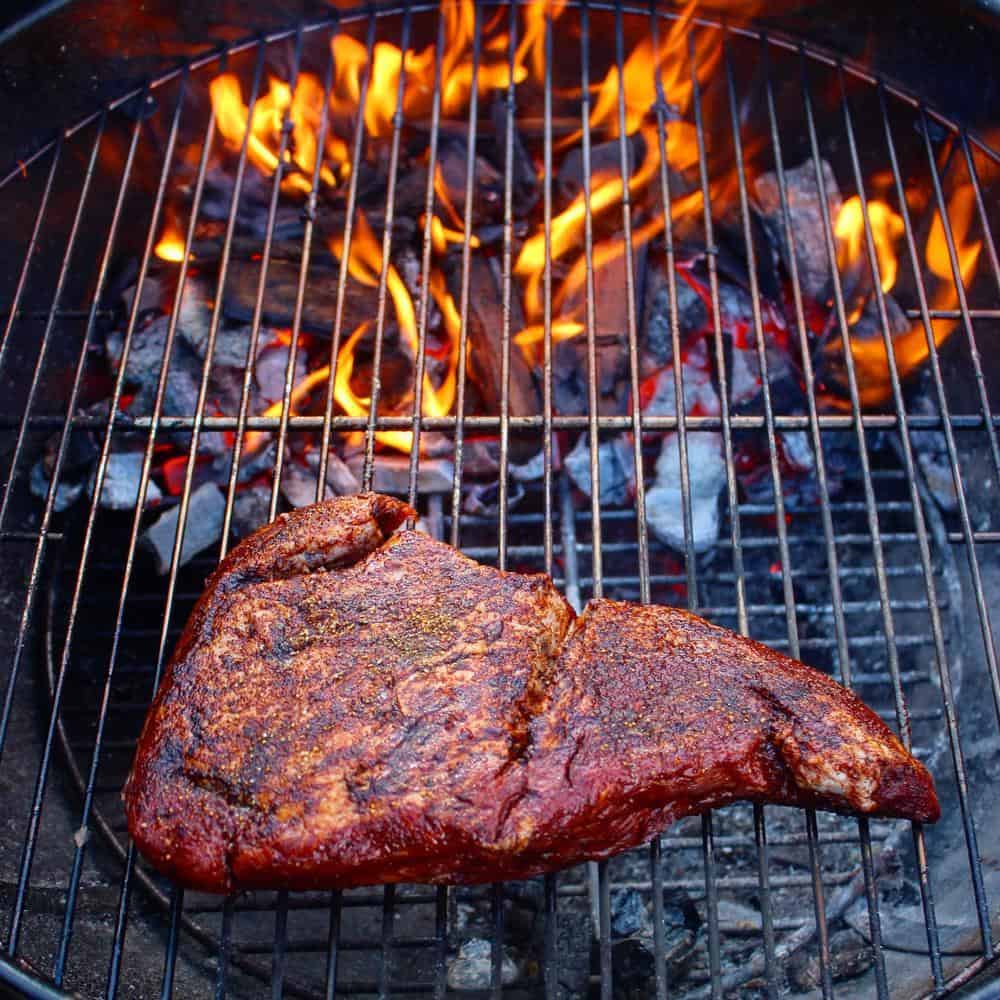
x=911 y=348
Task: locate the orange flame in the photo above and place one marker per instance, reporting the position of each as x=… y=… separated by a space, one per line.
x=358 y=406
x=441 y=235
x=911 y=349
x=886 y=229
x=365 y=264
x=171 y=244
x=304 y=109
x=388 y=61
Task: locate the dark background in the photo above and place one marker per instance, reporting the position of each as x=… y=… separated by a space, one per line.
x=82 y=53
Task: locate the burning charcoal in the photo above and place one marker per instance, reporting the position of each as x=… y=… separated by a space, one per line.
x=605 y=158
x=319 y=304
x=481 y=458
x=867 y=330
x=617 y=468
x=270 y=368
x=206 y=511
x=707 y=477
x=251 y=508
x=569 y=375
x=692 y=317
x=629 y=916
x=339 y=478
x=298 y=480
x=151 y=296
x=796 y=462
x=744 y=376
x=392 y=474
x=485 y=326
x=472 y=967
x=453 y=158
x=806 y=220
x=144 y=364
x=81 y=453
x=696 y=378
x=252 y=464
x=121 y=482
x=932 y=455
x=732 y=260
x=67 y=493
x=534 y=468
x=525 y=180
x=298 y=485
x=850 y=956
x=483 y=499
x=632 y=956
x=633 y=970
x=195 y=314
x=255 y=196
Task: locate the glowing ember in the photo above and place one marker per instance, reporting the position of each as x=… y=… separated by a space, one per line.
x=171 y=244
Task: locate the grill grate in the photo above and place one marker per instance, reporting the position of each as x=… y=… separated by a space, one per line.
x=881 y=600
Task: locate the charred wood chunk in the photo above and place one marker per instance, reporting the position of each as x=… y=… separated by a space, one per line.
x=280 y=292
x=611 y=336
x=850 y=956
x=871 y=365
x=524 y=178
x=487 y=206
x=486 y=344
x=806 y=220
x=605 y=160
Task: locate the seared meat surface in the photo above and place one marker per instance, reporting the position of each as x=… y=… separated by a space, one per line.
x=350 y=706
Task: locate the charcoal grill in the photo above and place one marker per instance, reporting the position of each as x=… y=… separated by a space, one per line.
x=877 y=585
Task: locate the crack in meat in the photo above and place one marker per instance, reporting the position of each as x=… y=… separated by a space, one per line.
x=349 y=706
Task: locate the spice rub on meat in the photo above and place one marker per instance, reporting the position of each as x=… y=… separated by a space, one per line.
x=350 y=706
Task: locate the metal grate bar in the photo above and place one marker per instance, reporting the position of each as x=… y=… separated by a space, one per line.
x=763 y=876
x=947 y=693
x=31 y=833
x=832 y=561
x=594 y=544
x=984 y=405
x=114 y=973
x=36 y=565
x=781 y=524
x=29 y=254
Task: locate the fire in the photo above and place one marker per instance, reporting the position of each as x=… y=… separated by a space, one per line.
x=254 y=440
x=388 y=61
x=171 y=244
x=911 y=349
x=358 y=406
x=304 y=109
x=365 y=264
x=886 y=229
x=441 y=236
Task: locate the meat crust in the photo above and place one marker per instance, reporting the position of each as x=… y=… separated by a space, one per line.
x=349 y=706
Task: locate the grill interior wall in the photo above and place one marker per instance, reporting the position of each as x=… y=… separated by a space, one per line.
x=72 y=222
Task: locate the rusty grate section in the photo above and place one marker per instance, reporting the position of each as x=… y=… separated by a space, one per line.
x=871 y=580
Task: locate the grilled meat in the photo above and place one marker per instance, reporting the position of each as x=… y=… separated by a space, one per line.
x=350 y=706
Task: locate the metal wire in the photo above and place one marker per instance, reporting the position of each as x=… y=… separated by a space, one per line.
x=603 y=545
